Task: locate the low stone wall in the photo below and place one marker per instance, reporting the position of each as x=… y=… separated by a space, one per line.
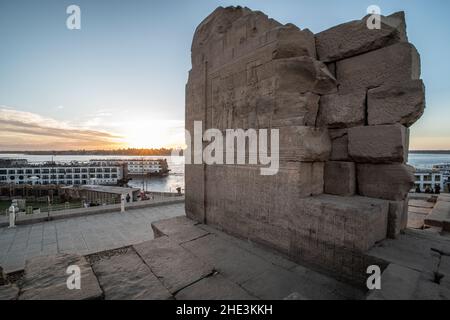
x=72 y=213
x=342 y=99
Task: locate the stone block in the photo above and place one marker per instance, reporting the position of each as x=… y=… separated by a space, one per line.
x=2 y=277
x=355 y=223
x=261 y=217
x=385 y=181
x=127 y=277
x=293 y=42
x=342 y=110
x=45 y=279
x=180 y=229
x=288 y=109
x=439 y=214
x=354 y=37
x=340 y=178
x=9 y=292
x=391 y=65
x=396 y=218
x=403 y=103
x=174 y=266
x=304 y=74
x=339 y=144
x=195 y=186
x=301 y=143
x=378 y=144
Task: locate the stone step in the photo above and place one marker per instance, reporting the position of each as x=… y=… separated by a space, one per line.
x=440 y=215
x=174 y=266
x=179 y=229
x=45 y=278
x=125 y=276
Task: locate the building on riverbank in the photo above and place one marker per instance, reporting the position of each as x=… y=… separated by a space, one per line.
x=53 y=173
x=429 y=179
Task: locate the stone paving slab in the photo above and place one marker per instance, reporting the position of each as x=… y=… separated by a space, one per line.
x=412 y=250
x=215 y=287
x=254 y=248
x=397 y=283
x=233 y=262
x=127 y=277
x=174 y=266
x=45 y=279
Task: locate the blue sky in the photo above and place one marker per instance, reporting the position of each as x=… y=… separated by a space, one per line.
x=124 y=73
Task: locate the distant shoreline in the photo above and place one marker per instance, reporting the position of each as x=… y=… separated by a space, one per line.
x=120 y=152
x=145 y=152
x=430 y=151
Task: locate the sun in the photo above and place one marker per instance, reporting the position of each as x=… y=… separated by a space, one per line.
x=152 y=134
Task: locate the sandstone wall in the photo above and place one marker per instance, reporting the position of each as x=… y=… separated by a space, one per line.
x=342 y=99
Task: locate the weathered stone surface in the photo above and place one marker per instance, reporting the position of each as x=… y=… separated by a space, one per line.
x=378 y=144
x=339 y=145
x=397 y=283
x=404 y=103
x=342 y=111
x=195 y=191
x=9 y=292
x=275 y=284
x=304 y=74
x=391 y=65
x=174 y=266
x=179 y=229
x=293 y=42
x=287 y=109
x=340 y=178
x=439 y=214
x=2 y=277
x=233 y=262
x=249 y=71
x=215 y=287
x=396 y=219
x=385 y=181
x=355 y=223
x=300 y=143
x=45 y=279
x=231 y=209
x=354 y=37
x=127 y=277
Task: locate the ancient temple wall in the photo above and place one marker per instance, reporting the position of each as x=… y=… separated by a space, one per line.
x=342 y=101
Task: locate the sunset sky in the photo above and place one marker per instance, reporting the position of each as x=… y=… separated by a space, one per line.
x=120 y=80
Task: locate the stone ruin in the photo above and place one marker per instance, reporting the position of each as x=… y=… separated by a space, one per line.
x=342 y=99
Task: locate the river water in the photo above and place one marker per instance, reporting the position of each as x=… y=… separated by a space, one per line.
x=176 y=165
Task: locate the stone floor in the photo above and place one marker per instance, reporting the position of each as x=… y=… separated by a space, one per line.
x=187 y=261
x=81 y=235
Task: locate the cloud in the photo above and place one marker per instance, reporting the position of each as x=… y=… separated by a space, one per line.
x=25 y=130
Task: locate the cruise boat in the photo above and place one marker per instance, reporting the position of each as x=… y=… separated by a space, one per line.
x=140 y=167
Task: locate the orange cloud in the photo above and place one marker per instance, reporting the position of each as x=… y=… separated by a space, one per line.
x=21 y=130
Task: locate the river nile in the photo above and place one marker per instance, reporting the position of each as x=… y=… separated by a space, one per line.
x=176 y=165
